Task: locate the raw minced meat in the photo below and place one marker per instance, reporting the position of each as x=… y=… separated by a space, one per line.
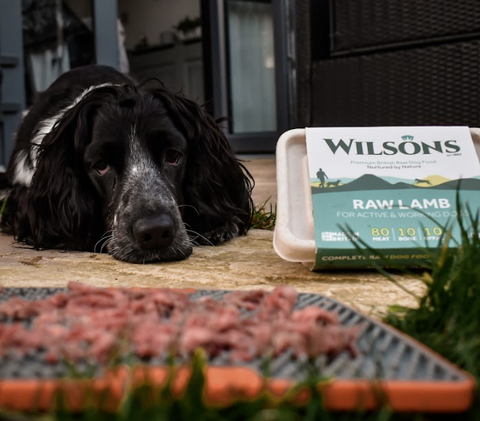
x=88 y=322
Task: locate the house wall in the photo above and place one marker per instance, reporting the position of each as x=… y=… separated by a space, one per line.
x=152 y=17
x=395 y=63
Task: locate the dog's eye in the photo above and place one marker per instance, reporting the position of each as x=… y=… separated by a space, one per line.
x=172 y=157
x=101 y=167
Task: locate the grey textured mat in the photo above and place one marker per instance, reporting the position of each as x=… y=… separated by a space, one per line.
x=384 y=353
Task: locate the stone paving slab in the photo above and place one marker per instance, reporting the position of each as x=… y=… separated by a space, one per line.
x=243 y=263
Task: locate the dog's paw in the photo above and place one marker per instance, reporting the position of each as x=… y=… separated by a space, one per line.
x=216 y=235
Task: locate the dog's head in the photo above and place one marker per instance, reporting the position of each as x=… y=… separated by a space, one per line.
x=141 y=171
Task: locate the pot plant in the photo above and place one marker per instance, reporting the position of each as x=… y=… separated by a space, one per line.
x=189 y=28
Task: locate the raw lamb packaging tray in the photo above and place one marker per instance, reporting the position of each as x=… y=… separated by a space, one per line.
x=388 y=368
x=393 y=189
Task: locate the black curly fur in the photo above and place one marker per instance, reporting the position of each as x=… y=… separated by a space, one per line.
x=166 y=160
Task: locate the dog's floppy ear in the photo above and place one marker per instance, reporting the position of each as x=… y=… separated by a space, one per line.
x=61 y=209
x=217 y=189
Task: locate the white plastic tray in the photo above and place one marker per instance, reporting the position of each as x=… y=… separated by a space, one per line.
x=294 y=238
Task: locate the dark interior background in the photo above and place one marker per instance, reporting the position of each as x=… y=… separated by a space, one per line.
x=388 y=62
x=338 y=62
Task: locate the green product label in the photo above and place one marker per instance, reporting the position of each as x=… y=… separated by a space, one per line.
x=393 y=189
x=401 y=224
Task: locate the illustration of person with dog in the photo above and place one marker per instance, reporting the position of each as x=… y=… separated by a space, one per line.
x=321 y=176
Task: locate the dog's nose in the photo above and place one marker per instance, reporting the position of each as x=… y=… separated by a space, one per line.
x=154 y=231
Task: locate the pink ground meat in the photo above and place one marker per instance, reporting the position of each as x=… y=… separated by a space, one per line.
x=96 y=323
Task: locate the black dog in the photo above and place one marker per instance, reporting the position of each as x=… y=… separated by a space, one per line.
x=102 y=163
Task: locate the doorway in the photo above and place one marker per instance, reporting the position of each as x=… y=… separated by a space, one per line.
x=247 y=59
x=230 y=54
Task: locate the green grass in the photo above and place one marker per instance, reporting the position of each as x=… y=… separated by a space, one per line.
x=447 y=318
x=264 y=216
x=3 y=205
x=448 y=315
x=146 y=402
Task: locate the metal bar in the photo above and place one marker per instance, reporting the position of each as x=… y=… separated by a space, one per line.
x=10 y=107
x=8 y=61
x=280 y=21
x=13 y=85
x=253 y=142
x=219 y=59
x=105 y=14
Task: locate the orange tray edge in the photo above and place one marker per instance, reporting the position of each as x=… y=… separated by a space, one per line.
x=227 y=384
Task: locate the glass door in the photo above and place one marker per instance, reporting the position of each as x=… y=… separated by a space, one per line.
x=249 y=71
x=251 y=67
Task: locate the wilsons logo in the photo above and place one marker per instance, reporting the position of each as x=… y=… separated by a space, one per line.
x=407 y=146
